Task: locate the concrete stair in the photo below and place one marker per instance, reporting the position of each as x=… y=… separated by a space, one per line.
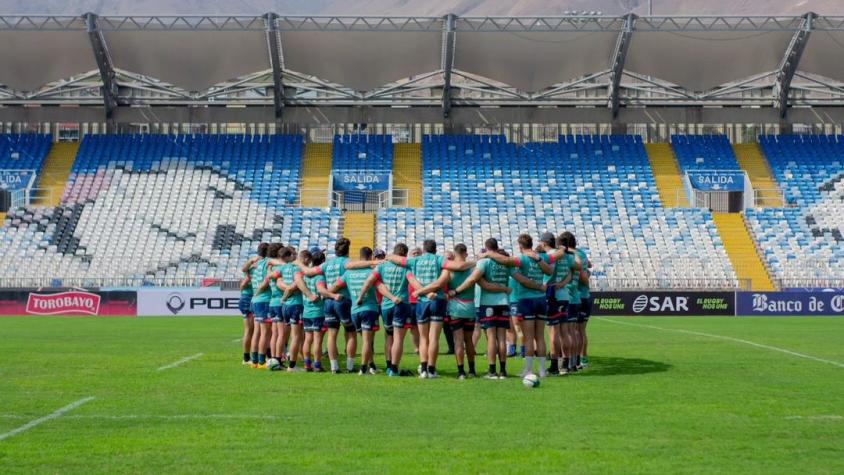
x=742 y=251
x=407 y=172
x=55 y=173
x=360 y=229
x=315 y=175
x=752 y=160
x=667 y=175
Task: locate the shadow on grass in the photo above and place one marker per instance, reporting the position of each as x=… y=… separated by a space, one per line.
x=615 y=366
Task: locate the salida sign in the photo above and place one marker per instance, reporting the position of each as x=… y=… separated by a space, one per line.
x=663 y=303
x=361 y=181
x=717 y=181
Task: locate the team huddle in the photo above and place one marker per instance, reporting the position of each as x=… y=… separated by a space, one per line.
x=291 y=300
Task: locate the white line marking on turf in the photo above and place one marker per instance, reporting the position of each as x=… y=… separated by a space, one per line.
x=181 y=361
x=48 y=417
x=822 y=417
x=237 y=340
x=727 y=338
x=159 y=416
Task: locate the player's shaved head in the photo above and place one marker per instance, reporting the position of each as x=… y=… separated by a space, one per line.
x=460 y=249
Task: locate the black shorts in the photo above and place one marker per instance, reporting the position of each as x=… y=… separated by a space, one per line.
x=558 y=313
x=464 y=324
x=585 y=310
x=494 y=316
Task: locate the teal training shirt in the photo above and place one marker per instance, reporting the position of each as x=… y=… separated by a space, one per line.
x=395 y=278
x=354 y=280
x=530 y=269
x=258 y=273
x=333 y=269
x=288 y=273
x=314 y=309
x=562 y=269
x=426 y=269
x=494 y=273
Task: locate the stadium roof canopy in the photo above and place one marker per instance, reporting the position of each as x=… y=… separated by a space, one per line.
x=422 y=62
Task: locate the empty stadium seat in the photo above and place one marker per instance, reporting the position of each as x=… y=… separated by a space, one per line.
x=803 y=244
x=153 y=208
x=704 y=152
x=599 y=187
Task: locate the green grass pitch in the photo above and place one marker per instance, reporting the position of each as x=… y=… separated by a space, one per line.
x=663 y=398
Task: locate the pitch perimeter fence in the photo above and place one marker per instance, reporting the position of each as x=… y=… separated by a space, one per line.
x=219 y=301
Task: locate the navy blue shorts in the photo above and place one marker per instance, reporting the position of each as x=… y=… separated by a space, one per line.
x=398 y=316
x=339 y=313
x=431 y=311
x=366 y=321
x=261 y=310
x=245 y=306
x=313 y=325
x=275 y=314
x=533 y=309
x=292 y=314
x=585 y=310
x=573 y=313
x=558 y=313
x=494 y=316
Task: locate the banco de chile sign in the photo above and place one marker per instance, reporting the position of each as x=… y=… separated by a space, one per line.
x=355 y=180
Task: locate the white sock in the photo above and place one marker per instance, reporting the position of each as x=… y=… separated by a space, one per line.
x=541 y=360
x=335 y=365
x=350 y=363
x=528 y=364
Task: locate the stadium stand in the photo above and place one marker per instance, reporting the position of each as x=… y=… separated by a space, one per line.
x=23 y=151
x=601 y=187
x=803 y=244
x=363 y=152
x=150 y=208
x=704 y=152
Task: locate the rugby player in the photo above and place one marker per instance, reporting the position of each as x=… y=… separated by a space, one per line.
x=292 y=305
x=391 y=281
x=493 y=310
x=257 y=268
x=580 y=285
x=273 y=256
x=566 y=265
x=313 y=290
x=461 y=312
x=364 y=308
x=431 y=306
x=531 y=305
x=339 y=311
x=245 y=306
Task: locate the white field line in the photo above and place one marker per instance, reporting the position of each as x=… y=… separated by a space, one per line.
x=727 y=338
x=822 y=417
x=123 y=417
x=237 y=340
x=180 y=362
x=53 y=415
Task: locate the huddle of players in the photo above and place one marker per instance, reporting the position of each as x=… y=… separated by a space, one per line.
x=289 y=301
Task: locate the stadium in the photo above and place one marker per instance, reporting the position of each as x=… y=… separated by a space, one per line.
x=383 y=214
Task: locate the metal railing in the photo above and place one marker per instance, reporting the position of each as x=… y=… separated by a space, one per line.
x=768 y=198
x=660 y=283
x=98 y=282
x=405 y=197
x=810 y=283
